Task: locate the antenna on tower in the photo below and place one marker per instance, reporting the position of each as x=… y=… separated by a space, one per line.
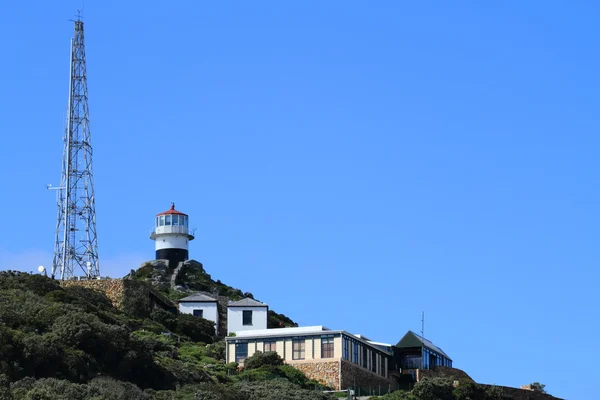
x=76 y=244
x=423 y=324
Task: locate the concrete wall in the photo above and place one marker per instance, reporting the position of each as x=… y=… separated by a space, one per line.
x=234 y=319
x=209 y=309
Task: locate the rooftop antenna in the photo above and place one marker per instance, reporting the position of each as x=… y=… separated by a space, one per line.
x=423 y=324
x=76 y=244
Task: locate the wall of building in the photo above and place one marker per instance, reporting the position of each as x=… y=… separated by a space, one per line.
x=284 y=347
x=362 y=381
x=171 y=242
x=209 y=309
x=235 y=323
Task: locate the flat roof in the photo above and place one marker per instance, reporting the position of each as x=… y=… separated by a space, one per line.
x=300 y=331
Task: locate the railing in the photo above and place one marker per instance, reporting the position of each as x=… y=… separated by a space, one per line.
x=171 y=229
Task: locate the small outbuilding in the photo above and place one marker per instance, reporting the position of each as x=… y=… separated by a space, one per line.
x=200 y=305
x=245 y=315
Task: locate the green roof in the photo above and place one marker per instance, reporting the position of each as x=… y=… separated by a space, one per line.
x=411 y=339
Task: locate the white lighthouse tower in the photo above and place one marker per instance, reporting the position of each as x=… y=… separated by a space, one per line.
x=171 y=236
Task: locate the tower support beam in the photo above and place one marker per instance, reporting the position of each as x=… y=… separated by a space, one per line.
x=76 y=243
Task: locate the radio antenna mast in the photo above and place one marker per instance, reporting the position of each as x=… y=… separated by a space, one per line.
x=76 y=244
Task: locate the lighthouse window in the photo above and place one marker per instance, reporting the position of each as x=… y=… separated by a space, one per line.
x=185 y=220
x=162 y=221
x=175 y=220
x=167 y=220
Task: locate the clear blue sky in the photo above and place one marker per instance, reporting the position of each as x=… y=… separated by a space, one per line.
x=349 y=163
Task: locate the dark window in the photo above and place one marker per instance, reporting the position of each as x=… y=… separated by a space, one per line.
x=382 y=365
x=355 y=352
x=199 y=313
x=373 y=361
x=270 y=345
x=298 y=349
x=326 y=346
x=247 y=317
x=364 y=357
x=241 y=352
x=167 y=220
x=345 y=351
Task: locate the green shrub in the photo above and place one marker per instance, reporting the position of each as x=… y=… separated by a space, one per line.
x=434 y=389
x=166 y=318
x=197 y=329
x=260 y=359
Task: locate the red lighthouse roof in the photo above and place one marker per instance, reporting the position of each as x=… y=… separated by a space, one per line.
x=171 y=211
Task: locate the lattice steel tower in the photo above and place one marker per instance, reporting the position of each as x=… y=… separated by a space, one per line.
x=76 y=244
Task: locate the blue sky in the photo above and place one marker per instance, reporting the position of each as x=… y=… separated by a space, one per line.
x=349 y=163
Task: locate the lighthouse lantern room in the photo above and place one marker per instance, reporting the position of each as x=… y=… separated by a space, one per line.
x=171 y=236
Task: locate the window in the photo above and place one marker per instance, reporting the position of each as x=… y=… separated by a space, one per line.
x=270 y=345
x=355 y=352
x=345 y=351
x=247 y=317
x=175 y=220
x=327 y=346
x=199 y=313
x=162 y=220
x=298 y=349
x=167 y=220
x=185 y=219
x=364 y=357
x=373 y=361
x=241 y=352
x=157 y=221
x=382 y=365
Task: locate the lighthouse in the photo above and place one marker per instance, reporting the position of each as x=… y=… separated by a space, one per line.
x=171 y=236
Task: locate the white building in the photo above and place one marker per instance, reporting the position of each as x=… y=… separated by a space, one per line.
x=246 y=314
x=335 y=358
x=171 y=236
x=200 y=305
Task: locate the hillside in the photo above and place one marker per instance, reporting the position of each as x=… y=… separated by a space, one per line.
x=193 y=278
x=69 y=342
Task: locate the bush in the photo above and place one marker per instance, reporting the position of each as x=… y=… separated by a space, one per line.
x=468 y=390
x=197 y=329
x=278 y=390
x=434 y=389
x=259 y=359
x=166 y=318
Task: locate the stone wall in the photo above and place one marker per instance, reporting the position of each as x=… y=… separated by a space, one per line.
x=364 y=382
x=114 y=289
x=325 y=372
x=121 y=292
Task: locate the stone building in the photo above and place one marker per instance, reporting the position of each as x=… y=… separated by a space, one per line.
x=335 y=358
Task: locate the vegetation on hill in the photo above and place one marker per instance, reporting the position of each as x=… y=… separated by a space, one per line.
x=70 y=343
x=193 y=278
x=58 y=343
